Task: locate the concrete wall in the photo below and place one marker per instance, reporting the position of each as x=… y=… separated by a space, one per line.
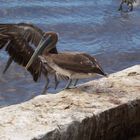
x=103 y=109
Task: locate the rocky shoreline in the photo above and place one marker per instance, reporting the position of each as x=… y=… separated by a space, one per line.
x=103 y=109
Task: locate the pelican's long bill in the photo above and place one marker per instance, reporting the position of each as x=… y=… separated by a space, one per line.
x=42 y=45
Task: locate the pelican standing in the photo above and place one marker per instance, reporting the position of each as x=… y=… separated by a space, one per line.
x=73 y=66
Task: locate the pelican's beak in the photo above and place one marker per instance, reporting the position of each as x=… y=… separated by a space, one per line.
x=44 y=43
x=101 y=71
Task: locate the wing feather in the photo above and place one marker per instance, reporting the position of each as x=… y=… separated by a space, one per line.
x=31 y=33
x=20 y=51
x=73 y=62
x=79 y=62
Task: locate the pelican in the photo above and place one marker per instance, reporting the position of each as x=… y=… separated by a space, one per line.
x=129 y=4
x=20 y=41
x=73 y=66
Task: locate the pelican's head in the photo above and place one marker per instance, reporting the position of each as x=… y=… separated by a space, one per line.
x=45 y=46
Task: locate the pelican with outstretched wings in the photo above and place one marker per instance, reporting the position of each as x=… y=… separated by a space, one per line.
x=20 y=41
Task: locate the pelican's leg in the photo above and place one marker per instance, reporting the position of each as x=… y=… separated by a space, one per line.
x=46 y=86
x=131 y=7
x=75 y=82
x=120 y=8
x=56 y=81
x=68 y=84
x=7 y=64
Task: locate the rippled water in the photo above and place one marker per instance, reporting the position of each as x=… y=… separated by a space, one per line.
x=92 y=26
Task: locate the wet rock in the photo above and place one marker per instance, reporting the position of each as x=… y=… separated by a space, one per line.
x=104 y=109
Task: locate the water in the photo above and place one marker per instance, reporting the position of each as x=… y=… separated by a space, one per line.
x=91 y=26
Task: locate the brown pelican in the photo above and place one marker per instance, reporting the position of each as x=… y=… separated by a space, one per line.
x=129 y=4
x=73 y=66
x=20 y=40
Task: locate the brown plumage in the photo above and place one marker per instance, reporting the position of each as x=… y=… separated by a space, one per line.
x=77 y=62
x=73 y=66
x=22 y=38
x=29 y=32
x=20 y=52
x=20 y=41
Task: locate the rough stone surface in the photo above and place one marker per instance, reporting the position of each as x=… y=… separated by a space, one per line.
x=103 y=109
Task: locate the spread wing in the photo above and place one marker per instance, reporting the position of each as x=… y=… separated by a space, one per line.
x=80 y=62
x=20 y=51
x=18 y=40
x=31 y=33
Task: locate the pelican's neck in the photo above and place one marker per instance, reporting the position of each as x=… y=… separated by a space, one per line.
x=52 y=46
x=54 y=50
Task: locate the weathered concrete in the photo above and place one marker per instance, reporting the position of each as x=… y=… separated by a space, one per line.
x=104 y=109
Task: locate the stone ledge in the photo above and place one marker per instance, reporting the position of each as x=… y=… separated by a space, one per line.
x=104 y=109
